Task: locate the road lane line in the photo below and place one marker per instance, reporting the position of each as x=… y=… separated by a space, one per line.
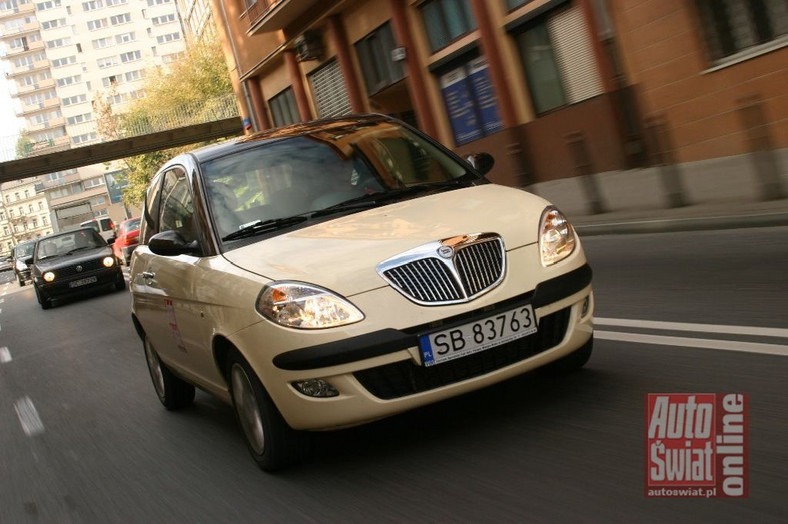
x=705 y=343
x=5 y=355
x=28 y=417
x=698 y=328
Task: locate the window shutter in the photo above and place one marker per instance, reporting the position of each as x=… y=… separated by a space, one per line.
x=328 y=87
x=575 y=55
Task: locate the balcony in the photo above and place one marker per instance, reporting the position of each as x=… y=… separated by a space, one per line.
x=267 y=16
x=49 y=83
x=25 y=28
x=29 y=48
x=50 y=124
x=22 y=9
x=36 y=66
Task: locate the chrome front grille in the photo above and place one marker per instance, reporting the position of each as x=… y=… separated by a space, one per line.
x=479 y=265
x=448 y=272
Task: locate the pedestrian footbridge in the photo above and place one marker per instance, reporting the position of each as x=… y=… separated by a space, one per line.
x=187 y=125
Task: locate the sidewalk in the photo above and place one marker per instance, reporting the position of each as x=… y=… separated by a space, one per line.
x=719 y=194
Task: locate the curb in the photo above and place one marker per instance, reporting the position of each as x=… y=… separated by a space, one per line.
x=667 y=225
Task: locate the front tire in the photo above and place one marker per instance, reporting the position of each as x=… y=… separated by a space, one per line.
x=173 y=392
x=46 y=303
x=272 y=443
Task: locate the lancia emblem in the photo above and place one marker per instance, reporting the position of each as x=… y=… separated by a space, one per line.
x=445 y=251
x=79 y=269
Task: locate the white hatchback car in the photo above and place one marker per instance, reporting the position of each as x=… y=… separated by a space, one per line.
x=336 y=272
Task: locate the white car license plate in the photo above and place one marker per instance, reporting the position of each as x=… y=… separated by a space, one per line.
x=82 y=281
x=480 y=335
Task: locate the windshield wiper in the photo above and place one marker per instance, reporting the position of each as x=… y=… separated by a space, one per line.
x=80 y=249
x=382 y=197
x=265 y=226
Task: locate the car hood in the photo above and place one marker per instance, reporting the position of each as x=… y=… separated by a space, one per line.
x=74 y=259
x=342 y=254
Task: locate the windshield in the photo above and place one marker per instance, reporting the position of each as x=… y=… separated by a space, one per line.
x=67 y=243
x=24 y=250
x=300 y=175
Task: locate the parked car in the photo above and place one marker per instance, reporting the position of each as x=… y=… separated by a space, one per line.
x=73 y=263
x=331 y=273
x=20 y=253
x=127 y=239
x=104 y=226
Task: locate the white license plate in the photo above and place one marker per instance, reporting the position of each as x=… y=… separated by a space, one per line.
x=82 y=281
x=476 y=336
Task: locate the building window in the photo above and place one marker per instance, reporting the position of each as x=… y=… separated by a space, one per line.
x=470 y=100
x=284 y=109
x=558 y=59
x=446 y=20
x=731 y=26
x=377 y=65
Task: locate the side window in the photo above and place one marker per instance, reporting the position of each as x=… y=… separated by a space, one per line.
x=176 y=204
x=150 y=222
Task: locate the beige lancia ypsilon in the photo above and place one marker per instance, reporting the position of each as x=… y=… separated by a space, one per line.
x=332 y=273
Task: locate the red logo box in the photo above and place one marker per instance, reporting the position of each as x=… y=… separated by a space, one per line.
x=696 y=445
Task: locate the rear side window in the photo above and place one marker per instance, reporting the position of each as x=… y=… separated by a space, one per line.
x=106 y=224
x=150 y=222
x=177 y=209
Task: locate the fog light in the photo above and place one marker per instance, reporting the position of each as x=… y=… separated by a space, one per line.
x=586 y=304
x=316 y=387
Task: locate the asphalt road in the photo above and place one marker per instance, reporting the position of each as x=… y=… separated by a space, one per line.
x=84 y=439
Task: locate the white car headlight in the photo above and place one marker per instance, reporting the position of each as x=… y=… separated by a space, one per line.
x=108 y=261
x=556 y=237
x=305 y=306
x=49 y=276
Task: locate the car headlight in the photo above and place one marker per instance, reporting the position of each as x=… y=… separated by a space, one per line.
x=556 y=237
x=305 y=306
x=108 y=261
x=49 y=276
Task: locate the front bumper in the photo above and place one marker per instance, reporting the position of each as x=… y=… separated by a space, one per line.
x=62 y=287
x=379 y=374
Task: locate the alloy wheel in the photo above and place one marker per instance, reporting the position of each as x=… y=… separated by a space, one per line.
x=247 y=408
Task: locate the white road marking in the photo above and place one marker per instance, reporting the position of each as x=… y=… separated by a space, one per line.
x=28 y=417
x=727 y=345
x=698 y=328
x=5 y=355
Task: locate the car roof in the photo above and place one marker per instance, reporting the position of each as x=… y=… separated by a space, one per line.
x=294 y=130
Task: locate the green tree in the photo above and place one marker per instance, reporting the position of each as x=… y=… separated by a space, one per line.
x=188 y=86
x=24 y=146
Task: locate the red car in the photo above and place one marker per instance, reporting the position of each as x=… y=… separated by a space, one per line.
x=127 y=239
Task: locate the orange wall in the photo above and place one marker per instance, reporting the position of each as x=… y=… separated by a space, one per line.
x=664 y=55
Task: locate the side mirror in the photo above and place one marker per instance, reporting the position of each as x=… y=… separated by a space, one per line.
x=482 y=162
x=172 y=243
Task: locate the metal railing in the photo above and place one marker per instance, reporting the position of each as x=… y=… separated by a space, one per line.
x=122 y=126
